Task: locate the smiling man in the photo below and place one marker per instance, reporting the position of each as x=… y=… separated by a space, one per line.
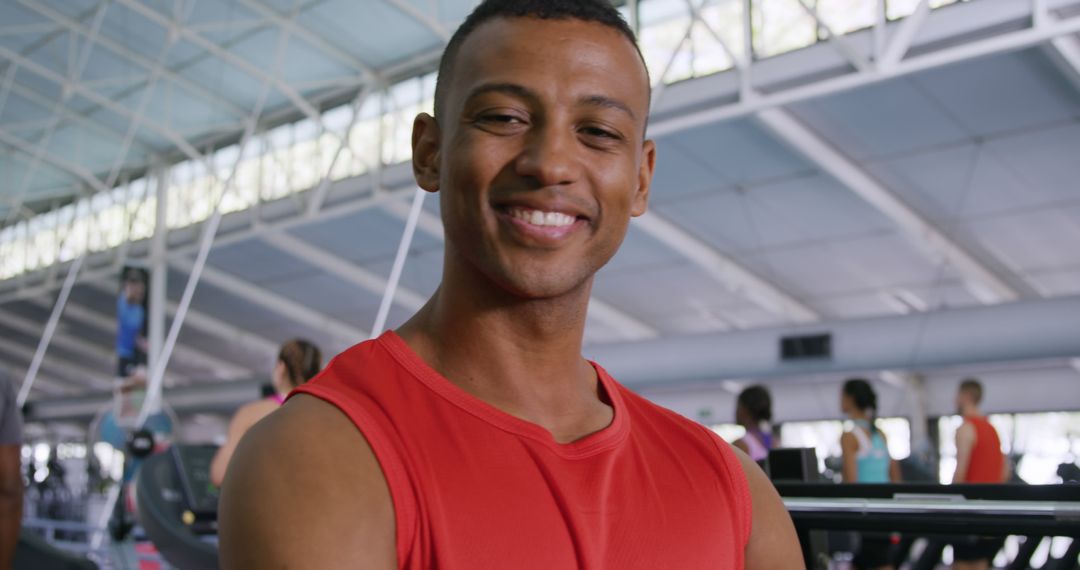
x=476 y=435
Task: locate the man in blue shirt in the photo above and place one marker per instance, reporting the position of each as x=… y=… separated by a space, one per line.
x=130 y=323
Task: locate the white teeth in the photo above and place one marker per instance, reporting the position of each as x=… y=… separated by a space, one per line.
x=538 y=218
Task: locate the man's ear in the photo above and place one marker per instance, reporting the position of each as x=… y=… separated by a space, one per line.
x=645 y=173
x=426 y=136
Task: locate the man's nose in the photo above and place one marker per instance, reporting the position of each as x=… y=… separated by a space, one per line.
x=549 y=157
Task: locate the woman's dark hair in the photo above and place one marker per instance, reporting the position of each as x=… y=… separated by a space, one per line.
x=757 y=401
x=862 y=393
x=302 y=360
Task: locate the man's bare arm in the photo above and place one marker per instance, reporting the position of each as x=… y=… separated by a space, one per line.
x=11 y=501
x=773 y=543
x=849 y=447
x=245 y=417
x=965 y=442
x=304 y=490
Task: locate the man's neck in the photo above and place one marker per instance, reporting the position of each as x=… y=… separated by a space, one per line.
x=522 y=356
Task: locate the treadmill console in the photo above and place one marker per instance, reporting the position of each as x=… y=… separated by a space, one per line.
x=200 y=495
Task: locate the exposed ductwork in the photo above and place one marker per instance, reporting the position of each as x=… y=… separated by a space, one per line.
x=1014 y=331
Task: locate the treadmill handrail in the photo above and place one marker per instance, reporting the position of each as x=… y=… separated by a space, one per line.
x=1054 y=509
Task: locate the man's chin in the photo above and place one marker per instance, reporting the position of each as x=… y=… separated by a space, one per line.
x=538 y=284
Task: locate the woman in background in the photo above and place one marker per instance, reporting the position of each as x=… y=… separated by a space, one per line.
x=866 y=460
x=298 y=361
x=753 y=411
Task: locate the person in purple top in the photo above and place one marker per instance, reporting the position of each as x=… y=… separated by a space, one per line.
x=298 y=361
x=753 y=411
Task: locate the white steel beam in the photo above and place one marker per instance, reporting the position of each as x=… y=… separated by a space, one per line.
x=1065 y=52
x=138 y=59
x=154 y=387
x=629 y=326
x=77 y=62
x=50 y=330
x=276 y=303
x=904 y=36
x=30 y=125
x=838 y=41
x=881 y=24
x=222 y=53
x=424 y=19
x=191 y=356
x=27 y=291
x=1005 y=42
x=103 y=101
x=317 y=41
x=61 y=366
x=67 y=341
x=399 y=261
x=318 y=194
x=5 y=88
x=230 y=25
x=59 y=163
x=981 y=281
x=428 y=223
x=343 y=268
x=48 y=385
x=69 y=115
x=725 y=270
x=27 y=29
x=159 y=270
x=206 y=324
x=61 y=339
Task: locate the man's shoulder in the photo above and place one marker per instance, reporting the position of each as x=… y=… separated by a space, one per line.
x=303 y=471
x=307 y=431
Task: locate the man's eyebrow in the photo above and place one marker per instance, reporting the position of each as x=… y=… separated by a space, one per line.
x=507 y=88
x=608 y=102
x=523 y=92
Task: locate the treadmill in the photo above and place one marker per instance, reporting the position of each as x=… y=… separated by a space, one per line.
x=177 y=505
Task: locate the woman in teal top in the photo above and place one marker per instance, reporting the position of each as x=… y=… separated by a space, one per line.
x=865 y=451
x=866 y=460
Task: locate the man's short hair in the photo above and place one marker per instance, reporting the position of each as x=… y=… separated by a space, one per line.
x=973 y=388
x=599 y=11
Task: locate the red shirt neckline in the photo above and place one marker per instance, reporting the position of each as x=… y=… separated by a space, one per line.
x=597 y=442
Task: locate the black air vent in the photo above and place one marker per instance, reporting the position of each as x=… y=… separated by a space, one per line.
x=807 y=347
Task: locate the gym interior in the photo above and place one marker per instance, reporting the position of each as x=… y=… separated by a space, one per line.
x=885 y=191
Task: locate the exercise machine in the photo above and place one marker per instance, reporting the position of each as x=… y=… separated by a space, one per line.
x=177 y=505
x=940 y=514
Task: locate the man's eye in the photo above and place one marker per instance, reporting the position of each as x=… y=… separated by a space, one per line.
x=598 y=132
x=501 y=119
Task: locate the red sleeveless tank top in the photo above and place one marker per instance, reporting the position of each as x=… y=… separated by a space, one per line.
x=476 y=488
x=987 y=462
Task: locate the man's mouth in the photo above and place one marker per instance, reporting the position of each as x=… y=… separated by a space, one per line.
x=540 y=217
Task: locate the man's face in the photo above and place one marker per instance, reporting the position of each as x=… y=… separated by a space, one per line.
x=542 y=159
x=134 y=290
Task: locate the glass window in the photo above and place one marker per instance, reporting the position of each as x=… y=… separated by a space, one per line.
x=824 y=437
x=729 y=432
x=1040 y=441
x=843 y=16
x=902 y=8
x=781 y=26
x=663 y=28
